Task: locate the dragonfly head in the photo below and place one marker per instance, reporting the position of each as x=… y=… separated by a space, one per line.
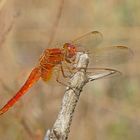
x=70 y=50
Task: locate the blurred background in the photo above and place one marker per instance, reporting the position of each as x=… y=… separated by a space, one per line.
x=108 y=109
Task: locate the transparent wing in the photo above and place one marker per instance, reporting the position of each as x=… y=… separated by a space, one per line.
x=90 y=39
x=102 y=55
x=100 y=72
x=92 y=73
x=110 y=55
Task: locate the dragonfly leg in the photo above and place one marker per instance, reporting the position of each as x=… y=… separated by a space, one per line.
x=63 y=73
x=62 y=83
x=57 y=79
x=69 y=68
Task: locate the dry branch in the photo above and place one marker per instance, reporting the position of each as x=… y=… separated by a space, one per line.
x=62 y=124
x=61 y=127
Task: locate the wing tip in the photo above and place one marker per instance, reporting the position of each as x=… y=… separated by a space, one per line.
x=127 y=48
x=96 y=32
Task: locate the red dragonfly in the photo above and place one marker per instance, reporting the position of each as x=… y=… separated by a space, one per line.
x=58 y=57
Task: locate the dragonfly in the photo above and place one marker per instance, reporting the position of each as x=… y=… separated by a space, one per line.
x=63 y=58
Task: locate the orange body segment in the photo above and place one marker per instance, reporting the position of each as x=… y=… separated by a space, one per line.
x=33 y=77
